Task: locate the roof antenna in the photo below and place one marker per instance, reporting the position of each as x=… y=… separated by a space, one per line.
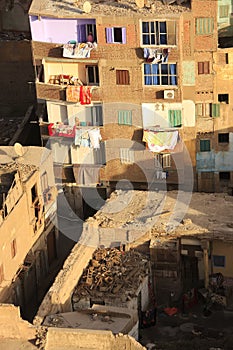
x=87 y=7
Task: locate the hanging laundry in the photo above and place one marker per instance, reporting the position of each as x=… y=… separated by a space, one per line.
x=161 y=175
x=75 y=50
x=156 y=55
x=78 y=137
x=85 y=95
x=95 y=137
x=159 y=141
x=82 y=138
x=73 y=93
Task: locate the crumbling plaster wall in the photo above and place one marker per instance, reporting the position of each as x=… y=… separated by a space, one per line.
x=58 y=298
x=59 y=339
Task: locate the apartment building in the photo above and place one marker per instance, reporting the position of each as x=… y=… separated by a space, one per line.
x=29 y=237
x=149 y=83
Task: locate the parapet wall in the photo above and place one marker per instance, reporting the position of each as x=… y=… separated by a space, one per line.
x=60 y=339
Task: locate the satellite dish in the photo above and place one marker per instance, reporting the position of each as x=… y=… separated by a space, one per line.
x=87 y=7
x=19 y=150
x=140 y=3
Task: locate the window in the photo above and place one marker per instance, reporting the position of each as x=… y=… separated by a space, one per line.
x=223 y=138
x=224 y=175
x=83 y=30
x=224 y=98
x=215 y=110
x=204 y=145
x=203 y=67
x=160 y=74
x=226 y=58
x=159 y=33
x=174 y=117
x=219 y=260
x=223 y=11
x=204 y=26
x=202 y=109
x=40 y=73
x=44 y=181
x=116 y=35
x=122 y=77
x=1 y=274
x=166 y=160
x=92 y=75
x=125 y=117
x=126 y=156
x=13 y=248
x=96 y=115
x=34 y=193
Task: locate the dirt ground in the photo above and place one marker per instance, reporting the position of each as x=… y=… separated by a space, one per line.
x=192 y=331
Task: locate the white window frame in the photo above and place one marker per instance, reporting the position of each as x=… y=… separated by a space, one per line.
x=157 y=42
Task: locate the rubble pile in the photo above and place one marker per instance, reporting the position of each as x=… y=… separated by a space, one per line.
x=111 y=271
x=25 y=170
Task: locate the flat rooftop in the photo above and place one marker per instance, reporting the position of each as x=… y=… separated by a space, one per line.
x=26 y=164
x=168 y=214
x=73 y=9
x=98 y=318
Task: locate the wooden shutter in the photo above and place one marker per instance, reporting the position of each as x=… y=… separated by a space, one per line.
x=125 y=117
x=109 y=35
x=166 y=160
x=204 y=145
x=126 y=156
x=122 y=77
x=206 y=67
x=174 y=118
x=200 y=67
x=204 y=26
x=223 y=11
x=203 y=67
x=171 y=32
x=215 y=110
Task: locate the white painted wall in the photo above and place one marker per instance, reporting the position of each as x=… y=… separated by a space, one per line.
x=156 y=114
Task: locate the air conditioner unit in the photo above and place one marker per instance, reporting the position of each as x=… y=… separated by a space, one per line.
x=169 y=94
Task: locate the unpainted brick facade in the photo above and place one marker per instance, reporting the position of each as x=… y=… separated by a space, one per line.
x=202 y=75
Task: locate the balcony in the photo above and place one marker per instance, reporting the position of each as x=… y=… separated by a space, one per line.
x=50 y=91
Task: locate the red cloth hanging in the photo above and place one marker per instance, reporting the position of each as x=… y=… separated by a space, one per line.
x=85 y=95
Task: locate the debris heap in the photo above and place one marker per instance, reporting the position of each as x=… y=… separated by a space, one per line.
x=109 y=272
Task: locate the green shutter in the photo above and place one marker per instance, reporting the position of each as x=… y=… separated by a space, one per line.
x=215 y=110
x=174 y=117
x=198 y=109
x=204 y=145
x=125 y=117
x=204 y=26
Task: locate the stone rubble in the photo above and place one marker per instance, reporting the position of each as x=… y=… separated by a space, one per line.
x=111 y=271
